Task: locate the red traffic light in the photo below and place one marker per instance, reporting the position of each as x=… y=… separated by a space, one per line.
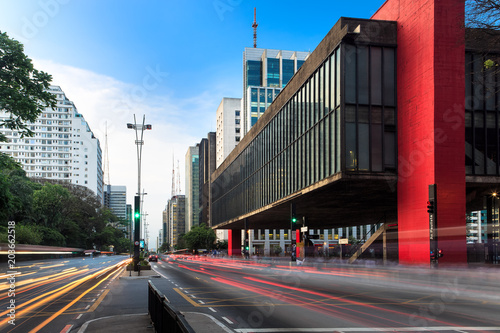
x=431 y=208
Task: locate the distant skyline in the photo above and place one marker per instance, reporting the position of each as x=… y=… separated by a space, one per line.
x=172 y=61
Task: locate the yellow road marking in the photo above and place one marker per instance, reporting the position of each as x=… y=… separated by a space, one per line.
x=187 y=298
x=99 y=300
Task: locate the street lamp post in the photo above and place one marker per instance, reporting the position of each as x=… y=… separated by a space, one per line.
x=137 y=199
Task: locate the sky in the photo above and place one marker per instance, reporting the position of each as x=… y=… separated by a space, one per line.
x=170 y=61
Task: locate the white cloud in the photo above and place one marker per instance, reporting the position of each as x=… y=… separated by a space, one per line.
x=177 y=124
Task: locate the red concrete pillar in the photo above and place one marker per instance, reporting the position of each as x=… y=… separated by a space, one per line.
x=234 y=242
x=431 y=129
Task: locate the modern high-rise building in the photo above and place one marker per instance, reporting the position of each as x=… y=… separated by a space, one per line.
x=229 y=127
x=63 y=147
x=115 y=198
x=175 y=219
x=192 y=184
x=206 y=168
x=265 y=73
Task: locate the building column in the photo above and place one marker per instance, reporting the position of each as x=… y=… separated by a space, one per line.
x=267 y=245
x=234 y=242
x=431 y=126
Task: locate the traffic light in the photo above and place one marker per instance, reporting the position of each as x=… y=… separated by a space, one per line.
x=246 y=245
x=293 y=214
x=431 y=207
x=439 y=253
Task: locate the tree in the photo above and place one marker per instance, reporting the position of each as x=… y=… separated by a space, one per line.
x=483 y=14
x=23 y=89
x=200 y=237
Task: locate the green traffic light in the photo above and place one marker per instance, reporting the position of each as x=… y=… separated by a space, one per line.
x=294 y=220
x=137 y=215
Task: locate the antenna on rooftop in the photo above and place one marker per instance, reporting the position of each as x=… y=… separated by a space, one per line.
x=254 y=26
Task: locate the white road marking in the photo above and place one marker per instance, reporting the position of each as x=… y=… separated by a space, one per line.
x=367 y=329
x=229 y=321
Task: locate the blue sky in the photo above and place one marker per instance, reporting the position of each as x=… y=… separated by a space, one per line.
x=171 y=60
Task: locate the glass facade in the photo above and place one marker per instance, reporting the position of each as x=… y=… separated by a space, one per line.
x=329 y=125
x=273 y=72
x=254 y=73
x=482 y=118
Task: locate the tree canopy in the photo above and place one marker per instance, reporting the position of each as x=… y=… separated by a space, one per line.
x=23 y=88
x=200 y=237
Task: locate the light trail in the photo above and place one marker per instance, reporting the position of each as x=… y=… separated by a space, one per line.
x=53 y=294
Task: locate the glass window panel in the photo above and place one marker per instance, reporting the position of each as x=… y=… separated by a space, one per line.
x=288 y=70
x=351 y=153
x=327 y=142
x=254 y=73
x=363 y=114
x=390 y=149
x=273 y=72
x=389 y=116
x=316 y=89
x=490 y=88
x=376 y=75
x=468 y=81
x=337 y=77
x=327 y=86
x=376 y=115
x=376 y=147
x=478 y=83
x=321 y=150
x=362 y=75
x=364 y=146
x=338 y=141
x=350 y=113
x=321 y=92
x=333 y=141
x=350 y=73
x=389 y=77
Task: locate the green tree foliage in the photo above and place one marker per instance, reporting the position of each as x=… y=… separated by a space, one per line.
x=54 y=214
x=23 y=89
x=200 y=237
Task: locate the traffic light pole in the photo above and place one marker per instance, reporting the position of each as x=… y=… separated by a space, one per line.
x=137 y=230
x=137 y=198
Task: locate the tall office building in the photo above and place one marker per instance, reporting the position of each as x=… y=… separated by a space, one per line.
x=265 y=73
x=115 y=198
x=229 y=127
x=175 y=219
x=207 y=167
x=63 y=147
x=192 y=186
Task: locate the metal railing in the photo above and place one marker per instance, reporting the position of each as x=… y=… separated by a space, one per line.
x=164 y=316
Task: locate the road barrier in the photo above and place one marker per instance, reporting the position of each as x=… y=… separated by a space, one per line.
x=164 y=316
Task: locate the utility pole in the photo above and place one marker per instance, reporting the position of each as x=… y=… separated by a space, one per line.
x=137 y=199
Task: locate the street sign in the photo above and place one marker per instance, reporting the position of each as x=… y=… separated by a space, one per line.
x=303 y=229
x=343 y=241
x=136 y=243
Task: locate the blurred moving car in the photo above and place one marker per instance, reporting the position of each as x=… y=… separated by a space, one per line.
x=153 y=257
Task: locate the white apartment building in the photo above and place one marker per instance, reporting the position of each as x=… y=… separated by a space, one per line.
x=229 y=127
x=63 y=147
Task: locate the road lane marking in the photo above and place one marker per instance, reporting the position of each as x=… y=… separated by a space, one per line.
x=79 y=316
x=229 y=321
x=66 y=328
x=190 y=300
x=87 y=307
x=213 y=310
x=99 y=300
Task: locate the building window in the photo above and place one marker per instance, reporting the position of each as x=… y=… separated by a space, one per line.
x=237 y=121
x=237 y=139
x=237 y=130
x=237 y=113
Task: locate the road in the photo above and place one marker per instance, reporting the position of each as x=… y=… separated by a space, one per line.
x=46 y=295
x=248 y=296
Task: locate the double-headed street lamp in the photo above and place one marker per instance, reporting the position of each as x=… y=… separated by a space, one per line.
x=137 y=199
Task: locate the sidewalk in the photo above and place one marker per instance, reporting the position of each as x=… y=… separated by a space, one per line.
x=141 y=322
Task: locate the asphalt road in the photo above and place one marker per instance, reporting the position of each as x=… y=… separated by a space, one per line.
x=48 y=295
x=248 y=296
